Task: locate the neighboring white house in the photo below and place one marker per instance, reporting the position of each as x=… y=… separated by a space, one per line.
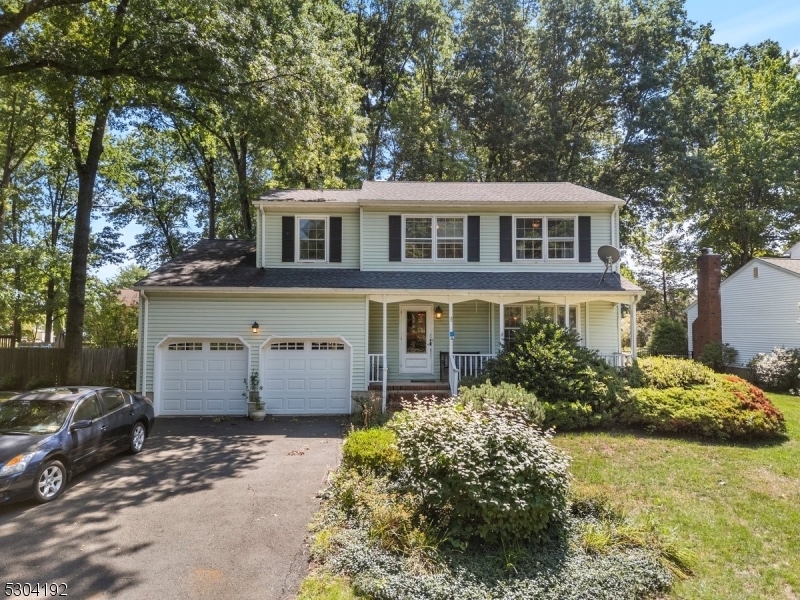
x=348 y=290
x=760 y=306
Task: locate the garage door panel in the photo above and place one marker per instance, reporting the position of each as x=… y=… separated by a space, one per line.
x=204 y=377
x=306 y=377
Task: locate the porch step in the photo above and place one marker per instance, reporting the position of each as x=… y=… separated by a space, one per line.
x=412 y=386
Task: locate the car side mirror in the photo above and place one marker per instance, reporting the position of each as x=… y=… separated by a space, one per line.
x=81 y=424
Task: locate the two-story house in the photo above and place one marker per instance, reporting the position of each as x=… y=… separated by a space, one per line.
x=395 y=282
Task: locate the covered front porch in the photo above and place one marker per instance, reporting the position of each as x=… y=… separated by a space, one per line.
x=419 y=338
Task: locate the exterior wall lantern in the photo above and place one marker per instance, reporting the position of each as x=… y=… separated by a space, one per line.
x=254 y=327
x=438 y=312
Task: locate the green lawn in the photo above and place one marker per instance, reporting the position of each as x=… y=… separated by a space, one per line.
x=736 y=506
x=7 y=395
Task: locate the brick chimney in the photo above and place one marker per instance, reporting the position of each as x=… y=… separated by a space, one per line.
x=707 y=327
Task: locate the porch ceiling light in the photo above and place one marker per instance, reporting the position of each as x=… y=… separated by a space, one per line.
x=438 y=312
x=254 y=327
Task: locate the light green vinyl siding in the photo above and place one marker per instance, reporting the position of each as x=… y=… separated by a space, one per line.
x=603 y=327
x=471 y=322
x=376 y=243
x=350 y=243
x=227 y=316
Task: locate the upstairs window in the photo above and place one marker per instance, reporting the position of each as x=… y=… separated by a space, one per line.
x=545 y=238
x=311 y=238
x=424 y=234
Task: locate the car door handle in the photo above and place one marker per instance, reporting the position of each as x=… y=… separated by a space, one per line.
x=133 y=412
x=103 y=428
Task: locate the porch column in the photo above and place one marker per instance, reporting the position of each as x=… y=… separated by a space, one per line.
x=384 y=362
x=450 y=342
x=633 y=328
x=502 y=320
x=566 y=313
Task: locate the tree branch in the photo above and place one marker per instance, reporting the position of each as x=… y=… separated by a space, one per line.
x=12 y=21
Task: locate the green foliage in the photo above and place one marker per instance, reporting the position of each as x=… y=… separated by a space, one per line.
x=482 y=473
x=727 y=408
x=778 y=370
x=372 y=450
x=10 y=382
x=35 y=383
x=112 y=321
x=718 y=355
x=669 y=337
x=324 y=586
x=662 y=372
x=503 y=394
x=574 y=385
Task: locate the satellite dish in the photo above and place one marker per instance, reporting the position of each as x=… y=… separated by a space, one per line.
x=609 y=255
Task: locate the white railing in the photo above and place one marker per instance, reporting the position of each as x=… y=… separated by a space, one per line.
x=375 y=368
x=471 y=365
x=455 y=377
x=618 y=359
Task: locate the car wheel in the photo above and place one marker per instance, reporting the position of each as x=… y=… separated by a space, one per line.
x=138 y=435
x=50 y=481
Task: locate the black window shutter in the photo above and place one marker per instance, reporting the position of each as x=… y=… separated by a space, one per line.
x=474 y=238
x=506 y=239
x=336 y=240
x=287 y=248
x=395 y=238
x=584 y=239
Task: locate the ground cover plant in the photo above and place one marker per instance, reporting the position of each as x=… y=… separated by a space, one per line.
x=479 y=508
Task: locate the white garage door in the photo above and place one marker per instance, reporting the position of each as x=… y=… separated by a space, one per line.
x=307 y=377
x=203 y=377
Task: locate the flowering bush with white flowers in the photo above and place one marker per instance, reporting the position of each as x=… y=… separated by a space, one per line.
x=484 y=473
x=778 y=370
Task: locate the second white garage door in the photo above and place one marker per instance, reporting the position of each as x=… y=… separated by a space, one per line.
x=306 y=377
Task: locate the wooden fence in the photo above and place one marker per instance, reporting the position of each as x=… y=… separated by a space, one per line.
x=22 y=367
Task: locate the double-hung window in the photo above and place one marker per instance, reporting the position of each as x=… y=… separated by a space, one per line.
x=545 y=238
x=312 y=238
x=437 y=238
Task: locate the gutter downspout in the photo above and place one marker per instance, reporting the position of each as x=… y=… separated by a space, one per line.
x=144 y=341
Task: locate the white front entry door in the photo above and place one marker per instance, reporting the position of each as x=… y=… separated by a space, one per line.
x=416 y=338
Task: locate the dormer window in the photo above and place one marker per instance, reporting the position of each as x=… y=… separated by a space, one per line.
x=424 y=234
x=312 y=238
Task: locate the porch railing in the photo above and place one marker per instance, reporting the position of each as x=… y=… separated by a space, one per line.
x=455 y=376
x=471 y=365
x=375 y=368
x=618 y=359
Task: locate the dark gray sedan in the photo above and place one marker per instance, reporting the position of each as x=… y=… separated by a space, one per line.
x=48 y=435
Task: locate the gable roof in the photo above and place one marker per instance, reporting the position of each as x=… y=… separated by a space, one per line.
x=418 y=191
x=232 y=264
x=789 y=265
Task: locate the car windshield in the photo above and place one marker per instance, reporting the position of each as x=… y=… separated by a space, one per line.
x=33 y=416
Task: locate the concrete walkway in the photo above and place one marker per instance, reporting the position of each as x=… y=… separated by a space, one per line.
x=207 y=510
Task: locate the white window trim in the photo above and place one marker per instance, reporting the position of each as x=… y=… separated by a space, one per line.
x=297 y=220
x=545 y=239
x=434 y=238
x=552 y=309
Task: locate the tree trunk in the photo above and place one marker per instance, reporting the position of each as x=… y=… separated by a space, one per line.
x=242 y=188
x=87 y=176
x=211 y=186
x=48 y=310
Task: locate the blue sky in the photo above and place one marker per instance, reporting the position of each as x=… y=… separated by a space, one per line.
x=739 y=22
x=735 y=22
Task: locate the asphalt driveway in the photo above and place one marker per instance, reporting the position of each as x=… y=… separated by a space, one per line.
x=207 y=510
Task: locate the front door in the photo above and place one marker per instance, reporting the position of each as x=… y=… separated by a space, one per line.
x=416 y=339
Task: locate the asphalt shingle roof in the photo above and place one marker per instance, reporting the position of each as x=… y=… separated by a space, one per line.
x=790 y=264
x=417 y=191
x=232 y=264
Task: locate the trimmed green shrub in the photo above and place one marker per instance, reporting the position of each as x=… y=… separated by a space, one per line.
x=10 y=382
x=728 y=408
x=668 y=337
x=575 y=386
x=718 y=355
x=372 y=450
x=484 y=473
x=661 y=372
x=778 y=370
x=503 y=394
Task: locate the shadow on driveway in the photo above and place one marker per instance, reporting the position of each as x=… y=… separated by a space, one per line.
x=126 y=523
